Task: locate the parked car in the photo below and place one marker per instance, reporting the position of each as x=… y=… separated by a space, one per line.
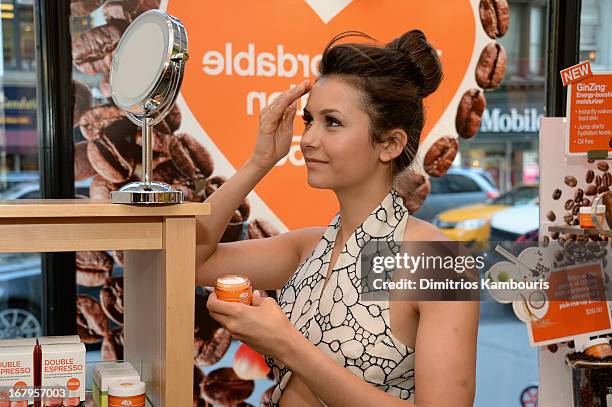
x=11 y=179
x=20 y=277
x=458 y=187
x=472 y=223
x=31 y=190
x=20 y=288
x=509 y=224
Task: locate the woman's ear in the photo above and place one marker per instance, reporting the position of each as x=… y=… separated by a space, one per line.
x=394 y=144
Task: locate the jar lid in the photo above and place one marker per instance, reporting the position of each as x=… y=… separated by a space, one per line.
x=126 y=388
x=601 y=208
x=585 y=209
x=593 y=342
x=233 y=282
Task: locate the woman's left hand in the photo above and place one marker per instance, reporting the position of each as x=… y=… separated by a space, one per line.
x=263 y=326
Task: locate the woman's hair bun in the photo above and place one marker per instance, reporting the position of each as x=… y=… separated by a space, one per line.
x=423 y=61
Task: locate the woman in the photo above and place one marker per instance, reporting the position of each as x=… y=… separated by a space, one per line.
x=325 y=345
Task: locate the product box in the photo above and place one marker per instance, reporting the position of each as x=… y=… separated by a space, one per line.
x=18 y=342
x=51 y=340
x=17 y=368
x=106 y=373
x=63 y=365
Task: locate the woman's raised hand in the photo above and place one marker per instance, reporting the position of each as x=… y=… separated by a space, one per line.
x=276 y=127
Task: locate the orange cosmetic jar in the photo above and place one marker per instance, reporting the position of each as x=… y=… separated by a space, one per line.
x=126 y=394
x=598 y=348
x=234 y=288
x=586 y=218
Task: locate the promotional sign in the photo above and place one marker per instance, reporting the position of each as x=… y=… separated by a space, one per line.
x=565 y=320
x=239 y=64
x=589 y=113
x=576 y=73
x=561 y=182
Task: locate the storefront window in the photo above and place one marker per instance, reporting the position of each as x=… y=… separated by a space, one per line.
x=506 y=148
x=508 y=138
x=596 y=34
x=20 y=274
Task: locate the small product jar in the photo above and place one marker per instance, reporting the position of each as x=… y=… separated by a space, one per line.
x=234 y=288
x=51 y=402
x=72 y=399
x=598 y=348
x=126 y=394
x=586 y=219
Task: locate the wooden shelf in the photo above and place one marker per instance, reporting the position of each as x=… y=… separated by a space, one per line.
x=74 y=208
x=159 y=274
x=577 y=230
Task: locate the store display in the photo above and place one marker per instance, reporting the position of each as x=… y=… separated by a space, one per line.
x=591 y=373
x=586 y=215
x=126 y=393
x=107 y=373
x=63 y=365
x=234 y=288
x=17 y=366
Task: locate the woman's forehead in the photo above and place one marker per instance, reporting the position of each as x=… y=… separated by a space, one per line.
x=333 y=93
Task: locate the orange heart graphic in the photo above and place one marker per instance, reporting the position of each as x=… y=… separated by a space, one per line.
x=273 y=44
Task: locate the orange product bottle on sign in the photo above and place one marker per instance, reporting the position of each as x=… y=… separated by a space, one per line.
x=234 y=288
x=126 y=394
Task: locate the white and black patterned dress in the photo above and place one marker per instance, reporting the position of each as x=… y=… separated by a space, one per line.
x=354 y=332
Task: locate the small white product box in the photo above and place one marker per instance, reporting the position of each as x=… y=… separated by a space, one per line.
x=106 y=373
x=52 y=340
x=18 y=342
x=63 y=365
x=17 y=367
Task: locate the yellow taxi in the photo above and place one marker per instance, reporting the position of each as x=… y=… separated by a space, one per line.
x=472 y=223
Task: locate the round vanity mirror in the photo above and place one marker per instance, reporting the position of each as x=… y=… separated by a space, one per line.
x=145 y=78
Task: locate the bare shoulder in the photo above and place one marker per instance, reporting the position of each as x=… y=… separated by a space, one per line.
x=420 y=231
x=306 y=239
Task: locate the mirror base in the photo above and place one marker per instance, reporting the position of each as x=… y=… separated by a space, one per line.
x=138 y=193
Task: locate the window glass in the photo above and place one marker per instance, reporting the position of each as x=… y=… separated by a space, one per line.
x=518 y=196
x=20 y=273
x=596 y=34
x=437 y=186
x=461 y=183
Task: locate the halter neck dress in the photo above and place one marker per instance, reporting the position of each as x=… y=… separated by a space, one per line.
x=355 y=333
